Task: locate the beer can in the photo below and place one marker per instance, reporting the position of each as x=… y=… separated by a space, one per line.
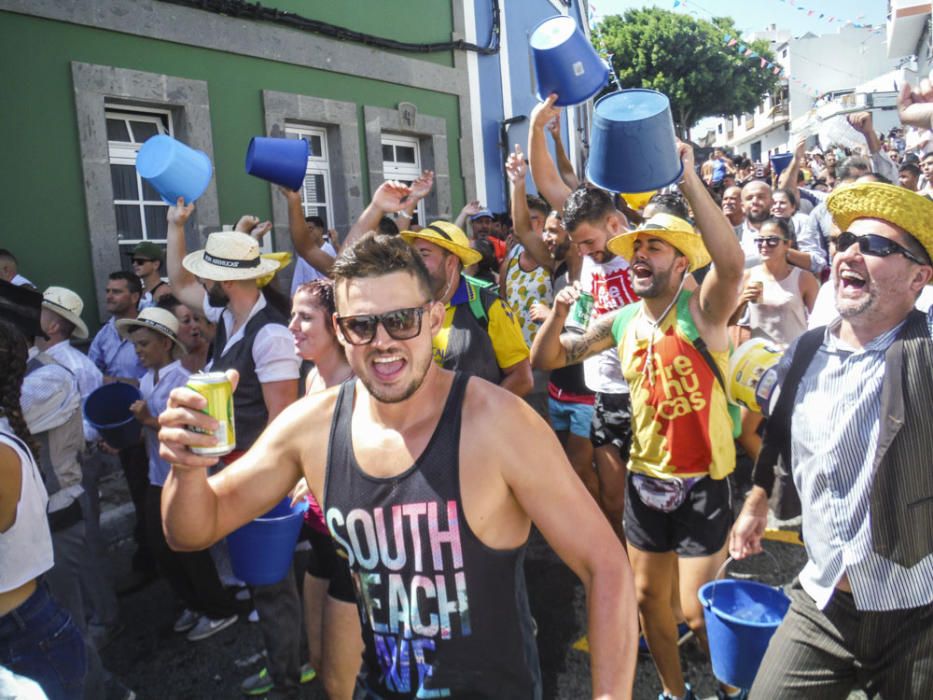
x=216 y=388
x=580 y=312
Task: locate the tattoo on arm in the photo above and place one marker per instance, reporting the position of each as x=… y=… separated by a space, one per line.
x=598 y=337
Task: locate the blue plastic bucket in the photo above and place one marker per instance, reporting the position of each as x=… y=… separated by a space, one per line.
x=278 y=160
x=107 y=409
x=780 y=161
x=566 y=62
x=632 y=142
x=261 y=551
x=741 y=617
x=174 y=169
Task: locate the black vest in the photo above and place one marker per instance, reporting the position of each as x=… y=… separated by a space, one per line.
x=469 y=347
x=902 y=487
x=442 y=614
x=249 y=406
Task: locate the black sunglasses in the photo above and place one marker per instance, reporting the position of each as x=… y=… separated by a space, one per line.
x=873 y=244
x=770 y=241
x=401 y=324
x=140 y=261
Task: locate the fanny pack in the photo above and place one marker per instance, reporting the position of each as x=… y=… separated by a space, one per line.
x=665 y=495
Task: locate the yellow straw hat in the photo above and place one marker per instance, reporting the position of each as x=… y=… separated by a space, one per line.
x=449 y=237
x=672 y=229
x=877 y=200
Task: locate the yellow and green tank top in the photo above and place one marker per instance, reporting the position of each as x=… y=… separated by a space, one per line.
x=522 y=289
x=681 y=421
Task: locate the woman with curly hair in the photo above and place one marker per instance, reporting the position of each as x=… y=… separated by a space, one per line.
x=38 y=638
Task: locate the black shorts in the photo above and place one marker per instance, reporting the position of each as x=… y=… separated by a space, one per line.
x=325 y=563
x=697 y=528
x=612 y=422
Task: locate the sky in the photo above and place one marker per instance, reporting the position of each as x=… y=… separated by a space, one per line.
x=756 y=15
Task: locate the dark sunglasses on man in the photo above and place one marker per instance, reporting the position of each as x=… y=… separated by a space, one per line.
x=400 y=324
x=770 y=241
x=140 y=261
x=874 y=245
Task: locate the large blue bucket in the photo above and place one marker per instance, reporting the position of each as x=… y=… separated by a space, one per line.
x=632 y=142
x=566 y=62
x=278 y=160
x=107 y=409
x=261 y=551
x=741 y=617
x=780 y=161
x=174 y=169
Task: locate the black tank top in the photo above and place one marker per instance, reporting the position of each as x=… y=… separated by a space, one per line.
x=443 y=615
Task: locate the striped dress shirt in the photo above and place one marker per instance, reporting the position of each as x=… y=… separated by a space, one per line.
x=835 y=429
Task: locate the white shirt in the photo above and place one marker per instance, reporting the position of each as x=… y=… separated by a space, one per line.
x=19 y=281
x=611 y=287
x=49 y=396
x=172 y=376
x=273 y=348
x=88 y=377
x=306 y=272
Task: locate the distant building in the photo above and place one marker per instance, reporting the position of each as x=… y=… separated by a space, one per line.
x=908 y=34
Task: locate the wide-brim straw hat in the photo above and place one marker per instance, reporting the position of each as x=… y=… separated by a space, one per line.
x=68 y=305
x=229 y=255
x=155 y=319
x=877 y=200
x=449 y=237
x=672 y=229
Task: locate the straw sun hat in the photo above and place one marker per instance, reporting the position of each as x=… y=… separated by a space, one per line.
x=155 y=319
x=449 y=237
x=229 y=255
x=672 y=229
x=877 y=200
x=68 y=305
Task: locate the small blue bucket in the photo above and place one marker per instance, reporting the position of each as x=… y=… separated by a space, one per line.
x=278 y=160
x=174 y=169
x=632 y=142
x=107 y=409
x=566 y=62
x=741 y=617
x=780 y=161
x=261 y=551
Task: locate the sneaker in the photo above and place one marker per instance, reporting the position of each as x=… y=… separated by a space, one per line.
x=207 y=627
x=687 y=695
x=261 y=683
x=737 y=694
x=185 y=621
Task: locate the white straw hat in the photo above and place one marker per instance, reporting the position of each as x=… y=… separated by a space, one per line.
x=229 y=255
x=68 y=305
x=155 y=319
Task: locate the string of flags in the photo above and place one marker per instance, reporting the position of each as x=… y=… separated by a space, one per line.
x=858 y=22
x=764 y=64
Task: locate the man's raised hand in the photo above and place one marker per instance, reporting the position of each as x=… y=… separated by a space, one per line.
x=516 y=167
x=179 y=213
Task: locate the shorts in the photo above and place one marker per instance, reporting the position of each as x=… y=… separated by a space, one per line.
x=697 y=528
x=575 y=417
x=325 y=563
x=612 y=422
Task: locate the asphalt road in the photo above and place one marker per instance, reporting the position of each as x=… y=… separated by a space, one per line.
x=157 y=663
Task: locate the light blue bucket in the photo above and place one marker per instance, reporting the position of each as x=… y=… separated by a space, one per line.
x=174 y=169
x=632 y=142
x=566 y=62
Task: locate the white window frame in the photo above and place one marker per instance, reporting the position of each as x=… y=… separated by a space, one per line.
x=407 y=172
x=125 y=152
x=317 y=165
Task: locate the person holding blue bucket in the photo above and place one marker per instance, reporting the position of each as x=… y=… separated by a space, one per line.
x=849 y=409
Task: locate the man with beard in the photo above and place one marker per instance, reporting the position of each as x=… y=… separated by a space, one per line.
x=674 y=347
x=756 y=205
x=252 y=338
x=431 y=481
x=732 y=208
x=849 y=409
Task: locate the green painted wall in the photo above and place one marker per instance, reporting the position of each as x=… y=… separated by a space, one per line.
x=44 y=219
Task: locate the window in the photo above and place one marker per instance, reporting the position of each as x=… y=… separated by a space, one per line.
x=401 y=160
x=140 y=211
x=316 y=192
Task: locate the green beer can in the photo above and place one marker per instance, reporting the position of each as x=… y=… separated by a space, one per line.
x=580 y=312
x=216 y=388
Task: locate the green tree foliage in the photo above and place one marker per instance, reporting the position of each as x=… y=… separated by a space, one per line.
x=686 y=59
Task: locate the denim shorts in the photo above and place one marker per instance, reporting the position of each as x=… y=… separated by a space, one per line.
x=39 y=640
x=575 y=417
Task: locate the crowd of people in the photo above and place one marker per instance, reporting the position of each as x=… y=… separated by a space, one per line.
x=395 y=390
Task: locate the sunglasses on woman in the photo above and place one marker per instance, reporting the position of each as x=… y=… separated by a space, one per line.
x=874 y=245
x=770 y=241
x=400 y=324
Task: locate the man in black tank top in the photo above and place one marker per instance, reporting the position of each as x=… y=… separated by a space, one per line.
x=433 y=520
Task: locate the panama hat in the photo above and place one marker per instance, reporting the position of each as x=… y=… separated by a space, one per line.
x=449 y=237
x=876 y=200
x=229 y=255
x=672 y=229
x=155 y=319
x=68 y=305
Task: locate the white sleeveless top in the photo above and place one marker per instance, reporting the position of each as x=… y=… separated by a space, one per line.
x=780 y=316
x=26 y=548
